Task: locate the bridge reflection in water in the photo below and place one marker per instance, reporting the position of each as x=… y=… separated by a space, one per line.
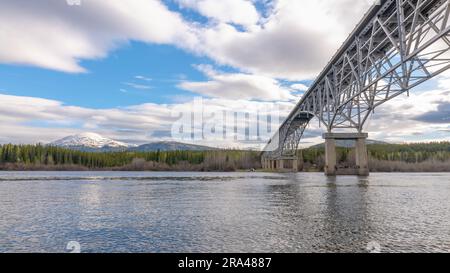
x=398 y=45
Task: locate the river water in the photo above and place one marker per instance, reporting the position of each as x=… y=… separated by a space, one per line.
x=223 y=212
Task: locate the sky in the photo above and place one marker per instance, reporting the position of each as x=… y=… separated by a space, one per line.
x=127 y=69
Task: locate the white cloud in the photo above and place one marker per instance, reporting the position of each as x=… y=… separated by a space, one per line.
x=138 y=86
x=43 y=113
x=399 y=120
x=238 y=86
x=54 y=35
x=294 y=41
x=299 y=87
x=143 y=78
x=32 y=120
x=241 y=12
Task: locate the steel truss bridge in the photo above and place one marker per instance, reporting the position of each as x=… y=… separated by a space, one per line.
x=398 y=45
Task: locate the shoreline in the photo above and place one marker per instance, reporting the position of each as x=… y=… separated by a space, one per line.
x=196 y=171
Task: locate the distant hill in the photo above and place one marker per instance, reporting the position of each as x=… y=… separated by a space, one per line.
x=170 y=146
x=348 y=143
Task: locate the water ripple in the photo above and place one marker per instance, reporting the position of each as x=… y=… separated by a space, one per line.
x=195 y=212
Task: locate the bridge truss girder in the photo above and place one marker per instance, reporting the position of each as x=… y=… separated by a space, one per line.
x=288 y=137
x=402 y=44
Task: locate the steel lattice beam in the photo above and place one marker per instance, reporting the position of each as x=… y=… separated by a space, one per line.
x=398 y=45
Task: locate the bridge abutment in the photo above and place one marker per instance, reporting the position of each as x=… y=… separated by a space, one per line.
x=362 y=158
x=282 y=164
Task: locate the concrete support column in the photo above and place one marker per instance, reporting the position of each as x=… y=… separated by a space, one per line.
x=280 y=164
x=362 y=157
x=300 y=162
x=295 y=165
x=330 y=157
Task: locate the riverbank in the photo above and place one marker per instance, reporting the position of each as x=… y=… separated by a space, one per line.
x=142 y=166
x=421 y=157
x=386 y=166
x=136 y=166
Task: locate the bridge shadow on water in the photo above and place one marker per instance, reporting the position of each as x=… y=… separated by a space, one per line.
x=324 y=214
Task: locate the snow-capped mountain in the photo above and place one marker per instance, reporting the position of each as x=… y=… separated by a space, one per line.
x=90 y=141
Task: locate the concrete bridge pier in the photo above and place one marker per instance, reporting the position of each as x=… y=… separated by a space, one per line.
x=280 y=164
x=300 y=162
x=330 y=156
x=265 y=163
x=295 y=165
x=362 y=159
